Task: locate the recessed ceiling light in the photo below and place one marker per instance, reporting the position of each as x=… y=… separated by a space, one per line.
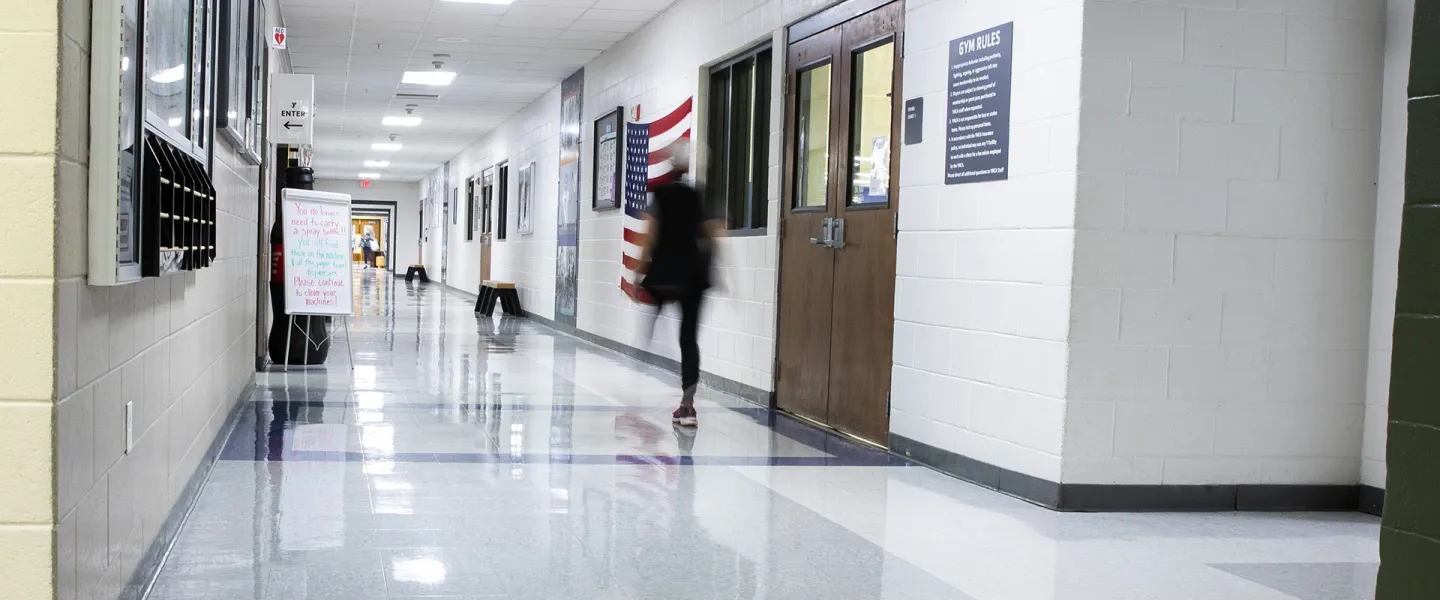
x=428 y=77
x=401 y=121
x=369 y=175
x=377 y=164
x=479 y=1
x=452 y=40
x=384 y=147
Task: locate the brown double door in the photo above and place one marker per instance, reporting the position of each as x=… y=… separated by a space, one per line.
x=837 y=248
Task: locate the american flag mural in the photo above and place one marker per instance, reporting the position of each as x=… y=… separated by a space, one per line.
x=647 y=165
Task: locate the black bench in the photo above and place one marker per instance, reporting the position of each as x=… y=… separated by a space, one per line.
x=416 y=270
x=505 y=293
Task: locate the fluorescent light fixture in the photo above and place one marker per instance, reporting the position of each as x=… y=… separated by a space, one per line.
x=170 y=75
x=479 y=1
x=377 y=164
x=428 y=77
x=401 y=121
x=384 y=147
x=369 y=175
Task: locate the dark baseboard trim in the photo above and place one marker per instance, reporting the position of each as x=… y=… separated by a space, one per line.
x=753 y=394
x=1135 y=498
x=1022 y=486
x=154 y=558
x=1372 y=500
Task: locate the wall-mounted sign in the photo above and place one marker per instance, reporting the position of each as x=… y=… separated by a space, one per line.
x=277 y=38
x=914 y=121
x=977 y=119
x=364 y=183
x=292 y=98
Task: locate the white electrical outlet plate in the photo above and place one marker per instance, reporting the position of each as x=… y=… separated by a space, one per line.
x=129 y=426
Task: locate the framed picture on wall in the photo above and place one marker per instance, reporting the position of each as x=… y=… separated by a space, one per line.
x=609 y=139
x=470 y=193
x=525 y=196
x=486 y=202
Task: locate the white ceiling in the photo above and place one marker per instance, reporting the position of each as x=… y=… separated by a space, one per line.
x=358 y=50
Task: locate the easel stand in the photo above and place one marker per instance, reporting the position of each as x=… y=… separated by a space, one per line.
x=305 y=359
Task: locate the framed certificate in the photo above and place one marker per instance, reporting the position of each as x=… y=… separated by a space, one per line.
x=609 y=139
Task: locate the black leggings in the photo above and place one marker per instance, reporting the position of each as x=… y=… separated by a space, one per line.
x=689 y=338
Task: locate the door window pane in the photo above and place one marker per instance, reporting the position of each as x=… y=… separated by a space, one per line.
x=812 y=174
x=167 y=61
x=870 y=126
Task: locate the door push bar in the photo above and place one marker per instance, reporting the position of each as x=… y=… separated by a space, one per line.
x=832 y=233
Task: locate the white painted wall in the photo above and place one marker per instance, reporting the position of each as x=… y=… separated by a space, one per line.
x=406 y=224
x=982 y=299
x=528 y=261
x=1224 y=247
x=1400 y=16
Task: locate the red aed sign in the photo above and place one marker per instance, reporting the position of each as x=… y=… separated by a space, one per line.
x=364 y=183
x=279 y=38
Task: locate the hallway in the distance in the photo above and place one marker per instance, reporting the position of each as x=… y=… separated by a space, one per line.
x=471 y=457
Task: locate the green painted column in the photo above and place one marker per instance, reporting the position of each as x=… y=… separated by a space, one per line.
x=1410 y=537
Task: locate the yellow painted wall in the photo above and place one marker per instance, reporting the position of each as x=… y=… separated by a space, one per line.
x=29 y=41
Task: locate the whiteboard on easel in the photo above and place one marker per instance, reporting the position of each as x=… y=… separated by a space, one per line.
x=318 y=240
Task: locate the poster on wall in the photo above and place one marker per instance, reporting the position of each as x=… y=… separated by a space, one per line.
x=977 y=119
x=567 y=214
x=609 y=138
x=525 y=220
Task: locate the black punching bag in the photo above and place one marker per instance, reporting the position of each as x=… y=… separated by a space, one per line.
x=316 y=329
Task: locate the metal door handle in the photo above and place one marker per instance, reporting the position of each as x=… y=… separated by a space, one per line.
x=837 y=233
x=825 y=233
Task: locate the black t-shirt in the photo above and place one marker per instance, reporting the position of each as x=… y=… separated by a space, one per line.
x=681 y=255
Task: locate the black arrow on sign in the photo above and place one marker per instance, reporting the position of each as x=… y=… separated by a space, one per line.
x=289 y=125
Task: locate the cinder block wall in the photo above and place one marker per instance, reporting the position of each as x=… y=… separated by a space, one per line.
x=1224 y=247
x=29 y=44
x=181 y=348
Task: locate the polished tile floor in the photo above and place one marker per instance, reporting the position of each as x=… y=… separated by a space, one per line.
x=466 y=457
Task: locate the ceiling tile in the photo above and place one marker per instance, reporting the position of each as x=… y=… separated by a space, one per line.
x=507 y=57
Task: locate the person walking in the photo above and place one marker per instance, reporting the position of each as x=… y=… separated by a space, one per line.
x=367 y=246
x=676 y=259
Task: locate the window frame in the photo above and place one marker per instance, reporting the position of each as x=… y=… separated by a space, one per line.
x=731 y=143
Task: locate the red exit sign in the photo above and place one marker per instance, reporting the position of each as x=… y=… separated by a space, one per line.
x=364 y=183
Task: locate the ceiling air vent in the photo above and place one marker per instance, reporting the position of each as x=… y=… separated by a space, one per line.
x=417 y=96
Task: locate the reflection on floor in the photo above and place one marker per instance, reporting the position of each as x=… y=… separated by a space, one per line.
x=466 y=457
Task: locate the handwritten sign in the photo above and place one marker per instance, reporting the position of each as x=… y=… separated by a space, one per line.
x=317 y=253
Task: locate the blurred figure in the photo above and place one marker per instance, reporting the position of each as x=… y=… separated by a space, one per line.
x=677 y=256
x=367 y=245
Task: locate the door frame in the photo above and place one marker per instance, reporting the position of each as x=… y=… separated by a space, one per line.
x=823 y=21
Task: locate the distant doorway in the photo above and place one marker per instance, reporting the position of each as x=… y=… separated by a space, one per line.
x=379 y=228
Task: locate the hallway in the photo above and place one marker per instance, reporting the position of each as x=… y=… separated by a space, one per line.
x=467 y=457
